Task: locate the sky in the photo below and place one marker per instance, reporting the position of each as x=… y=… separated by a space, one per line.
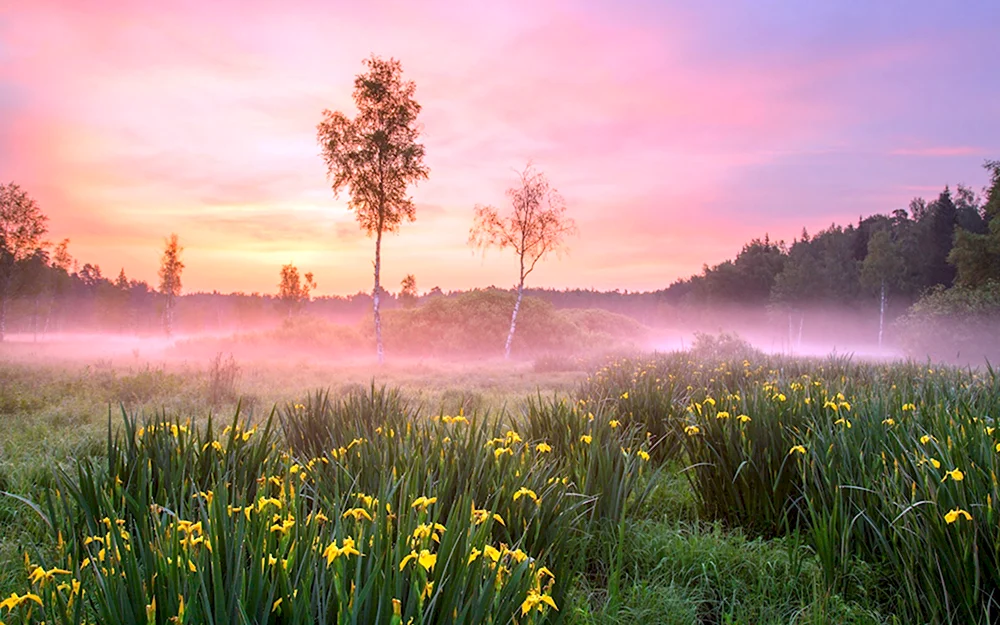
x=675 y=131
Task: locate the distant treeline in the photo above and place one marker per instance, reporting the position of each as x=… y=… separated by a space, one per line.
x=950 y=244
x=940 y=243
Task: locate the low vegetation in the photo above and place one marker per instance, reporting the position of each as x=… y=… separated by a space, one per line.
x=472 y=325
x=718 y=485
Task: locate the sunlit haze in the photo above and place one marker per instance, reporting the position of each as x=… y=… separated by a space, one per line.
x=675 y=131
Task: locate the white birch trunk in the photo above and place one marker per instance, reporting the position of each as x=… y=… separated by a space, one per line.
x=168 y=315
x=881 y=315
x=379 y=349
x=513 y=320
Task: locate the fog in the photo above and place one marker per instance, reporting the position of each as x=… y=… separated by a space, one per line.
x=417 y=338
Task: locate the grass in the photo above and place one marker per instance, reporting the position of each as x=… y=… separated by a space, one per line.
x=723 y=523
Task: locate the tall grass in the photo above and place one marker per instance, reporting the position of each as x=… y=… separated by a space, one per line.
x=347 y=510
x=893 y=465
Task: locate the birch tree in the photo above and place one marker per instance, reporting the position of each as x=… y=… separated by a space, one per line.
x=376 y=157
x=881 y=270
x=293 y=290
x=22 y=226
x=170 y=280
x=408 y=291
x=536 y=226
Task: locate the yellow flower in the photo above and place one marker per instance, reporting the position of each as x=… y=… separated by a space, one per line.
x=889 y=421
x=428 y=589
x=491 y=552
x=614 y=423
x=722 y=415
x=512 y=437
x=797 y=449
x=277 y=603
x=397 y=607
x=332 y=552
x=954 y=474
x=521 y=492
x=499 y=451
x=14 y=600
x=642 y=454
x=586 y=439
x=270 y=501
x=691 y=430
x=908 y=407
x=743 y=418
x=543 y=448
x=536 y=601
x=624 y=395
x=953 y=516
x=926 y=438
x=474 y=554
x=41 y=575
x=357 y=513
x=425 y=558
x=421 y=503
x=842 y=421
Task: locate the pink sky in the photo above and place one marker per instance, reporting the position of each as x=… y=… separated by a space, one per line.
x=675 y=134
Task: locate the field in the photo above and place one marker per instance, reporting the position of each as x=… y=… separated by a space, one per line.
x=718 y=485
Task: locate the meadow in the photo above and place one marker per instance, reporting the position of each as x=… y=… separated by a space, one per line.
x=716 y=485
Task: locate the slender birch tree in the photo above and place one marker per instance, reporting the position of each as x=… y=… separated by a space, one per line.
x=881 y=270
x=376 y=157
x=170 y=280
x=536 y=226
x=22 y=226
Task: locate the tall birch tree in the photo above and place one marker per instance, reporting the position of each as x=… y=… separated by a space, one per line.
x=376 y=157
x=536 y=226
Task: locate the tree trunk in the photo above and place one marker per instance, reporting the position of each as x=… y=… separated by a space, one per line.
x=3 y=316
x=881 y=315
x=4 y=300
x=802 y=320
x=34 y=319
x=168 y=313
x=379 y=349
x=513 y=320
x=791 y=340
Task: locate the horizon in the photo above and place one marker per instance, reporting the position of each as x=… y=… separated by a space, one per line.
x=676 y=134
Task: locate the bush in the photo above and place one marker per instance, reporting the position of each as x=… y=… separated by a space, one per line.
x=476 y=324
x=959 y=325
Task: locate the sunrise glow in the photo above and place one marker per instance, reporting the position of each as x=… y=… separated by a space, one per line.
x=675 y=132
